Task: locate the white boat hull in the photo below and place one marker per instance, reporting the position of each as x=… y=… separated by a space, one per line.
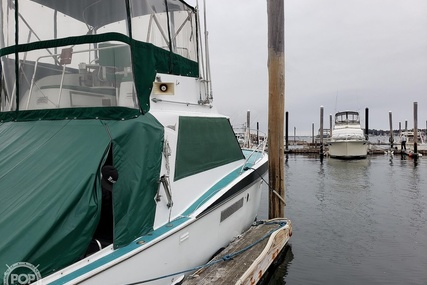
x=182 y=249
x=420 y=146
x=348 y=149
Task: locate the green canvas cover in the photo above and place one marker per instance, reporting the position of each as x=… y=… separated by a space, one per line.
x=138 y=146
x=50 y=191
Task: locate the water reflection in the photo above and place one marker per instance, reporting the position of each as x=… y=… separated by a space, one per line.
x=349 y=174
x=320 y=194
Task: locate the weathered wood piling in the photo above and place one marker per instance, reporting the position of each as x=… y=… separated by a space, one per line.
x=276 y=106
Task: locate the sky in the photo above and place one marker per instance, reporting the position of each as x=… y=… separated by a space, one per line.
x=339 y=54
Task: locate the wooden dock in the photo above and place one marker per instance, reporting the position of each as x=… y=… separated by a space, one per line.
x=247 y=258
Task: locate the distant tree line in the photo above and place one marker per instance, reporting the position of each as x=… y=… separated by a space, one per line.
x=375 y=132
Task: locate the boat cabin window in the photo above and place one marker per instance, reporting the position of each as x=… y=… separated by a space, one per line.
x=347 y=118
x=72 y=76
x=153 y=28
x=77 y=76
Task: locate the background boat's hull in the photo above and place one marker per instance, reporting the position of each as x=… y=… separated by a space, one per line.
x=348 y=149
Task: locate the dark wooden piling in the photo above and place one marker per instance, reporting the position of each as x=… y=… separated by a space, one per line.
x=366 y=123
x=312 y=133
x=321 y=133
x=391 y=139
x=248 y=128
x=415 y=126
x=287 y=131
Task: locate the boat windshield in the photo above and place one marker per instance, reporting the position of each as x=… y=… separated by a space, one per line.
x=347 y=118
x=77 y=53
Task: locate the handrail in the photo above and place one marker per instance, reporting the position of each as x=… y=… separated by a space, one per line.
x=263 y=144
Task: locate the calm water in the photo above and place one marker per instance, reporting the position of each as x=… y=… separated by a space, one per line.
x=354 y=222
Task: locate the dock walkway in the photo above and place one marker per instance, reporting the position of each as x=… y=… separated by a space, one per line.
x=248 y=257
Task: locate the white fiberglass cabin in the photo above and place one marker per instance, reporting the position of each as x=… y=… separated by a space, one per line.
x=348 y=140
x=410 y=140
x=115 y=166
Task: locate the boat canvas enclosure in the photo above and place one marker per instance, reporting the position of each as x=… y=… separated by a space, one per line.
x=51 y=191
x=95 y=52
x=76 y=79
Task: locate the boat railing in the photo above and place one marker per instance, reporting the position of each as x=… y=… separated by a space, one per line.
x=350 y=137
x=249 y=138
x=260 y=148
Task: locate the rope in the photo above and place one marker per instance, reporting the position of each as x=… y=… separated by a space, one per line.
x=226 y=257
x=269 y=187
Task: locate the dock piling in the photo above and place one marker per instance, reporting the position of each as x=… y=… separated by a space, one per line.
x=312 y=133
x=287 y=131
x=391 y=139
x=295 y=135
x=276 y=105
x=321 y=133
x=415 y=126
x=248 y=128
x=406 y=127
x=366 y=123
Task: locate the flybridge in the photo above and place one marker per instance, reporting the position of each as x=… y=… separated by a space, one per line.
x=347 y=117
x=92 y=54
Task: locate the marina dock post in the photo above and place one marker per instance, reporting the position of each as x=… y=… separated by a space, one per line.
x=415 y=126
x=276 y=106
x=366 y=123
x=312 y=133
x=391 y=139
x=321 y=133
x=287 y=131
x=330 y=125
x=295 y=135
x=248 y=129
